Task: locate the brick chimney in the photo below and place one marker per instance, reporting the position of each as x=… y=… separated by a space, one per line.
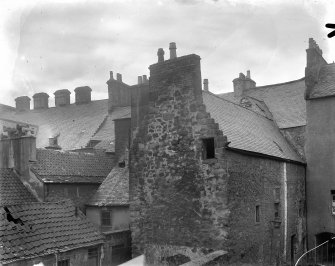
x=243 y=83
x=41 y=100
x=173 y=50
x=53 y=143
x=118 y=92
x=62 y=97
x=18 y=149
x=22 y=103
x=83 y=95
x=315 y=61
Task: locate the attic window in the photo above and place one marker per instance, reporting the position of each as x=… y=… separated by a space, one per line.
x=106 y=218
x=208 y=148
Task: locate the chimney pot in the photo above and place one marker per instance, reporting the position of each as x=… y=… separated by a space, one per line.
x=53 y=143
x=119 y=77
x=139 y=79
x=206 y=84
x=160 y=54
x=173 y=50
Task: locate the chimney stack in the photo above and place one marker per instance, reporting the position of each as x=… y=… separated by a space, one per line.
x=41 y=100
x=160 y=54
x=243 y=83
x=62 y=97
x=205 y=84
x=139 y=80
x=119 y=77
x=22 y=103
x=83 y=94
x=145 y=79
x=173 y=50
x=53 y=143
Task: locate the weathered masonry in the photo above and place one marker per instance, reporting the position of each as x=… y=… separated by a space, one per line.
x=200 y=185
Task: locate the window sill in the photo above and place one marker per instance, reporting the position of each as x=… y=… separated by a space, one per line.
x=210 y=161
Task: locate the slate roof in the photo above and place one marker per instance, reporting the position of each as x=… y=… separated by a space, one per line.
x=326 y=82
x=114 y=190
x=12 y=190
x=46 y=228
x=247 y=130
x=77 y=124
x=285 y=101
x=54 y=166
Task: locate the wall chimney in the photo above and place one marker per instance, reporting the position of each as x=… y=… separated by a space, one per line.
x=22 y=103
x=41 y=100
x=173 y=50
x=18 y=149
x=315 y=61
x=243 y=83
x=119 y=77
x=160 y=54
x=205 y=84
x=62 y=97
x=118 y=92
x=83 y=94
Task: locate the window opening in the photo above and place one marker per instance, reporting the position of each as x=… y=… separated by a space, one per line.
x=208 y=151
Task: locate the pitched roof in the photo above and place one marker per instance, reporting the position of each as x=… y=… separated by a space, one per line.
x=72 y=167
x=45 y=228
x=285 y=101
x=326 y=82
x=12 y=190
x=77 y=124
x=247 y=130
x=6 y=108
x=114 y=190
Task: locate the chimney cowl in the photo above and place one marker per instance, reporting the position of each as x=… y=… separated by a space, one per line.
x=82 y=95
x=62 y=97
x=22 y=103
x=41 y=100
x=173 y=50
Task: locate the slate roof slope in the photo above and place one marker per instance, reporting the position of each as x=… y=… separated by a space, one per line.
x=12 y=190
x=75 y=123
x=114 y=190
x=326 y=82
x=72 y=167
x=47 y=228
x=248 y=130
x=106 y=131
x=285 y=101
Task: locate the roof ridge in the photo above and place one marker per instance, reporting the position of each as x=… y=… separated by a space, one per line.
x=237 y=105
x=276 y=84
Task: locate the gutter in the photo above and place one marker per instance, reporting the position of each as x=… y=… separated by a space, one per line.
x=257 y=154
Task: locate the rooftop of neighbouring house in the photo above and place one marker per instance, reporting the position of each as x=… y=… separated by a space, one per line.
x=31 y=230
x=325 y=86
x=76 y=124
x=285 y=101
x=114 y=190
x=248 y=130
x=12 y=190
x=54 y=166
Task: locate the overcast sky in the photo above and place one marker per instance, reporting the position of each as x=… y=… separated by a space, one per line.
x=51 y=45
